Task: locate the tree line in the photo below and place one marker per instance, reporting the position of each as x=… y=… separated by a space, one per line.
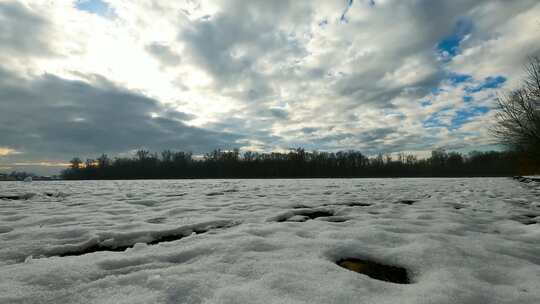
x=296 y=163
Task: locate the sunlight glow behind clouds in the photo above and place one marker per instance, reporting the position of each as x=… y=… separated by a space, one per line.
x=7 y=151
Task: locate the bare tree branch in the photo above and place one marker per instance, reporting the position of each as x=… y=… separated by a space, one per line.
x=518 y=116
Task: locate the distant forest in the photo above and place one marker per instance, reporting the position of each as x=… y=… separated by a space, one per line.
x=297 y=163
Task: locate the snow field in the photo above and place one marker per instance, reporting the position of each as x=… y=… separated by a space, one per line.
x=269 y=241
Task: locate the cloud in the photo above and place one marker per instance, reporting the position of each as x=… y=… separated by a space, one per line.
x=23 y=31
x=239 y=43
x=164 y=54
x=76 y=117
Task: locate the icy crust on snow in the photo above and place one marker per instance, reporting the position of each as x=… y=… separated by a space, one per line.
x=269 y=241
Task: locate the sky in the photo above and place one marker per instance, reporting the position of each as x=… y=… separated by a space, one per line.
x=85 y=77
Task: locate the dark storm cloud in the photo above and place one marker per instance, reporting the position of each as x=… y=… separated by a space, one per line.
x=49 y=117
x=22 y=32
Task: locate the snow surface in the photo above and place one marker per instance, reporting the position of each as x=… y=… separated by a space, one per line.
x=269 y=241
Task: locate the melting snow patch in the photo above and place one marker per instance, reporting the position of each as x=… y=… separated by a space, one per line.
x=175 y=195
x=215 y=193
x=527 y=179
x=335 y=219
x=526 y=219
x=458 y=206
x=121 y=242
x=303 y=215
x=5 y=229
x=230 y=190
x=22 y=196
x=56 y=194
x=393 y=274
x=406 y=202
x=147 y=203
x=157 y=220
x=357 y=204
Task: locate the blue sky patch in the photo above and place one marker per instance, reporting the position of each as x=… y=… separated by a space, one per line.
x=432 y=121
x=462 y=116
x=489 y=83
x=459 y=78
x=97 y=7
x=448 y=47
x=465 y=115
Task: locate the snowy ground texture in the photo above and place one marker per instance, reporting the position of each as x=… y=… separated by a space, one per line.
x=269 y=241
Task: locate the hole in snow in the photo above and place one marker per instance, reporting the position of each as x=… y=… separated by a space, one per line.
x=526 y=219
x=406 y=202
x=175 y=194
x=335 y=219
x=375 y=270
x=5 y=229
x=13 y=197
x=315 y=214
x=56 y=194
x=302 y=215
x=230 y=190
x=214 y=193
x=458 y=206
x=358 y=204
x=157 y=220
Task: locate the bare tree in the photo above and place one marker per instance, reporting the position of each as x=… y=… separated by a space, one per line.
x=142 y=155
x=518 y=117
x=75 y=163
x=103 y=161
